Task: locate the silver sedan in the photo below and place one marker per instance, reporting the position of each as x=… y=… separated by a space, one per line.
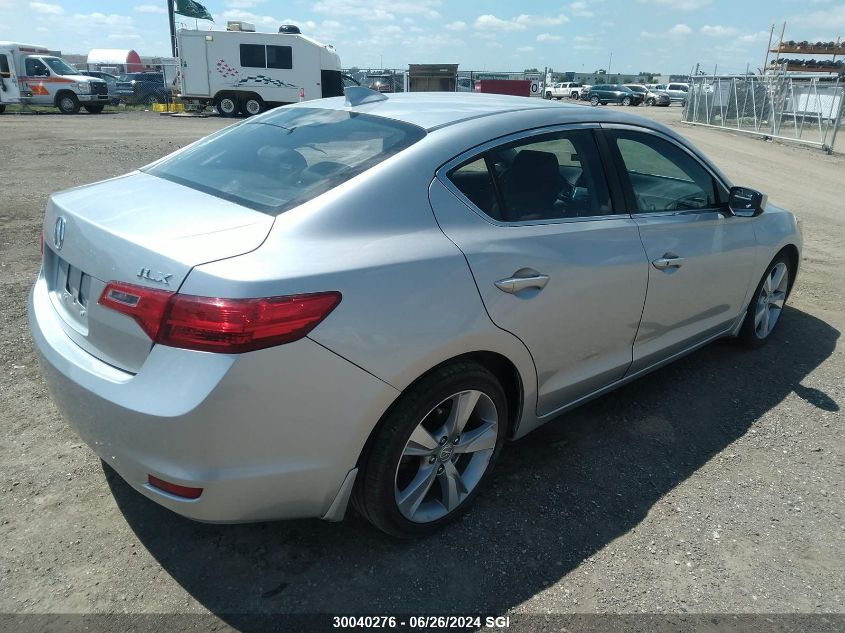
x=364 y=298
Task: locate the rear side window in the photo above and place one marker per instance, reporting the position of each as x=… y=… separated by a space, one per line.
x=288 y=157
x=548 y=177
x=253 y=56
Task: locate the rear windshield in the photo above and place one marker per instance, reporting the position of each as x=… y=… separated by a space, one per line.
x=287 y=157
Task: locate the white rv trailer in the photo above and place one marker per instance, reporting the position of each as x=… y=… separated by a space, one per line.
x=244 y=71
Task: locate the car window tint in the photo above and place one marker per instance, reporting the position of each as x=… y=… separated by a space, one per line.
x=286 y=157
x=549 y=177
x=662 y=175
x=474 y=181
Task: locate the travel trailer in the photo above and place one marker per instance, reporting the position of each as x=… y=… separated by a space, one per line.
x=241 y=71
x=33 y=75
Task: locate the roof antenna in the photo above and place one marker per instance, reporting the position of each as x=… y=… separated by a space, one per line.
x=359 y=95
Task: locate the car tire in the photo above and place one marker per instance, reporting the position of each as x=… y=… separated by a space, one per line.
x=94 y=108
x=2 y=108
x=650 y=101
x=420 y=472
x=253 y=105
x=594 y=101
x=67 y=103
x=226 y=105
x=548 y=95
x=626 y=101
x=767 y=303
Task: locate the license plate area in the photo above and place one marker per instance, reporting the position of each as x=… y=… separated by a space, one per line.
x=71 y=292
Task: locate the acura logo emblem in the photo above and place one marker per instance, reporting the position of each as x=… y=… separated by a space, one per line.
x=59 y=234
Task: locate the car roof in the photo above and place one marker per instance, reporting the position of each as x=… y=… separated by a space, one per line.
x=432 y=110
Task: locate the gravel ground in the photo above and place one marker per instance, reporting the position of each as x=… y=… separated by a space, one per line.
x=711 y=486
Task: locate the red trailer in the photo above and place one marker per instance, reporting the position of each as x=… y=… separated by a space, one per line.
x=516 y=87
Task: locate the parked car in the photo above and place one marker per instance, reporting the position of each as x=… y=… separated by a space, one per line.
x=253 y=335
x=111 y=82
x=650 y=97
x=677 y=92
x=146 y=88
x=613 y=93
x=568 y=89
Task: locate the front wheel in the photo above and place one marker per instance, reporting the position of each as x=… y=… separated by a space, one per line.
x=650 y=101
x=626 y=101
x=253 y=105
x=68 y=103
x=433 y=452
x=548 y=95
x=594 y=100
x=767 y=303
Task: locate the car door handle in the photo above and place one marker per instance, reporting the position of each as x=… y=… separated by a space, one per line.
x=515 y=284
x=665 y=263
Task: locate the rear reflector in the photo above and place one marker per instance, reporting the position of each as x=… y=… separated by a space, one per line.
x=175 y=489
x=228 y=326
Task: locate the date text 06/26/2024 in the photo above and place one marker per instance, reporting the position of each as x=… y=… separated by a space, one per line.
x=420 y=622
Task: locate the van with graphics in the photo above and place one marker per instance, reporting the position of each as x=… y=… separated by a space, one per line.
x=32 y=75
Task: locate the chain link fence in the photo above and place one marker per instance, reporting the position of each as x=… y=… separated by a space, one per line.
x=806 y=109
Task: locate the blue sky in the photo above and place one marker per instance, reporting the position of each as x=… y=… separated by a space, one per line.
x=667 y=36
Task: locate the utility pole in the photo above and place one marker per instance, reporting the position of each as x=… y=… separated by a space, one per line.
x=609 y=63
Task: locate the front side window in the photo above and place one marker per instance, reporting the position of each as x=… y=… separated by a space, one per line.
x=280 y=57
x=253 y=56
x=548 y=177
x=287 y=157
x=36 y=68
x=663 y=176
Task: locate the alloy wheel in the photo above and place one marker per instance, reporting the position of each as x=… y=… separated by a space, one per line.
x=771 y=299
x=451 y=446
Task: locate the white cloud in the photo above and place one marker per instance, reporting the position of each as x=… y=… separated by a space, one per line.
x=680 y=5
x=548 y=37
x=525 y=49
x=489 y=22
x=718 y=30
x=829 y=20
x=46 y=8
x=541 y=20
x=456 y=26
x=679 y=30
x=378 y=9
x=150 y=8
x=581 y=9
x=752 y=38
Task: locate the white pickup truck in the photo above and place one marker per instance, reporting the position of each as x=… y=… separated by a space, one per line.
x=568 y=89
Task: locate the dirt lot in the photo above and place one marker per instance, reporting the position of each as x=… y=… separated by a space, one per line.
x=712 y=486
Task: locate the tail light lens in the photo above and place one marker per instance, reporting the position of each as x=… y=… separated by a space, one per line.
x=229 y=326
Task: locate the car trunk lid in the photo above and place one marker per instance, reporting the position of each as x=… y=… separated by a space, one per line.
x=136 y=229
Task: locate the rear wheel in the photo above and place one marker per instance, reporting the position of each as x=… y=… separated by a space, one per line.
x=433 y=452
x=548 y=95
x=68 y=103
x=226 y=105
x=253 y=105
x=94 y=108
x=767 y=303
x=594 y=100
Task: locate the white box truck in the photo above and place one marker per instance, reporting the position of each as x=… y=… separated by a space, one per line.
x=247 y=72
x=33 y=75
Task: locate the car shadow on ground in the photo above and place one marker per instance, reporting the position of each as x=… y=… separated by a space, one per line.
x=559 y=495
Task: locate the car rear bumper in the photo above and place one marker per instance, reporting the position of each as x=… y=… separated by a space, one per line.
x=270 y=434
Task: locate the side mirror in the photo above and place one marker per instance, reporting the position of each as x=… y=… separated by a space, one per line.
x=746 y=203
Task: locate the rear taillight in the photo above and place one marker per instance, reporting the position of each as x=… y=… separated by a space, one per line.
x=186 y=492
x=211 y=324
